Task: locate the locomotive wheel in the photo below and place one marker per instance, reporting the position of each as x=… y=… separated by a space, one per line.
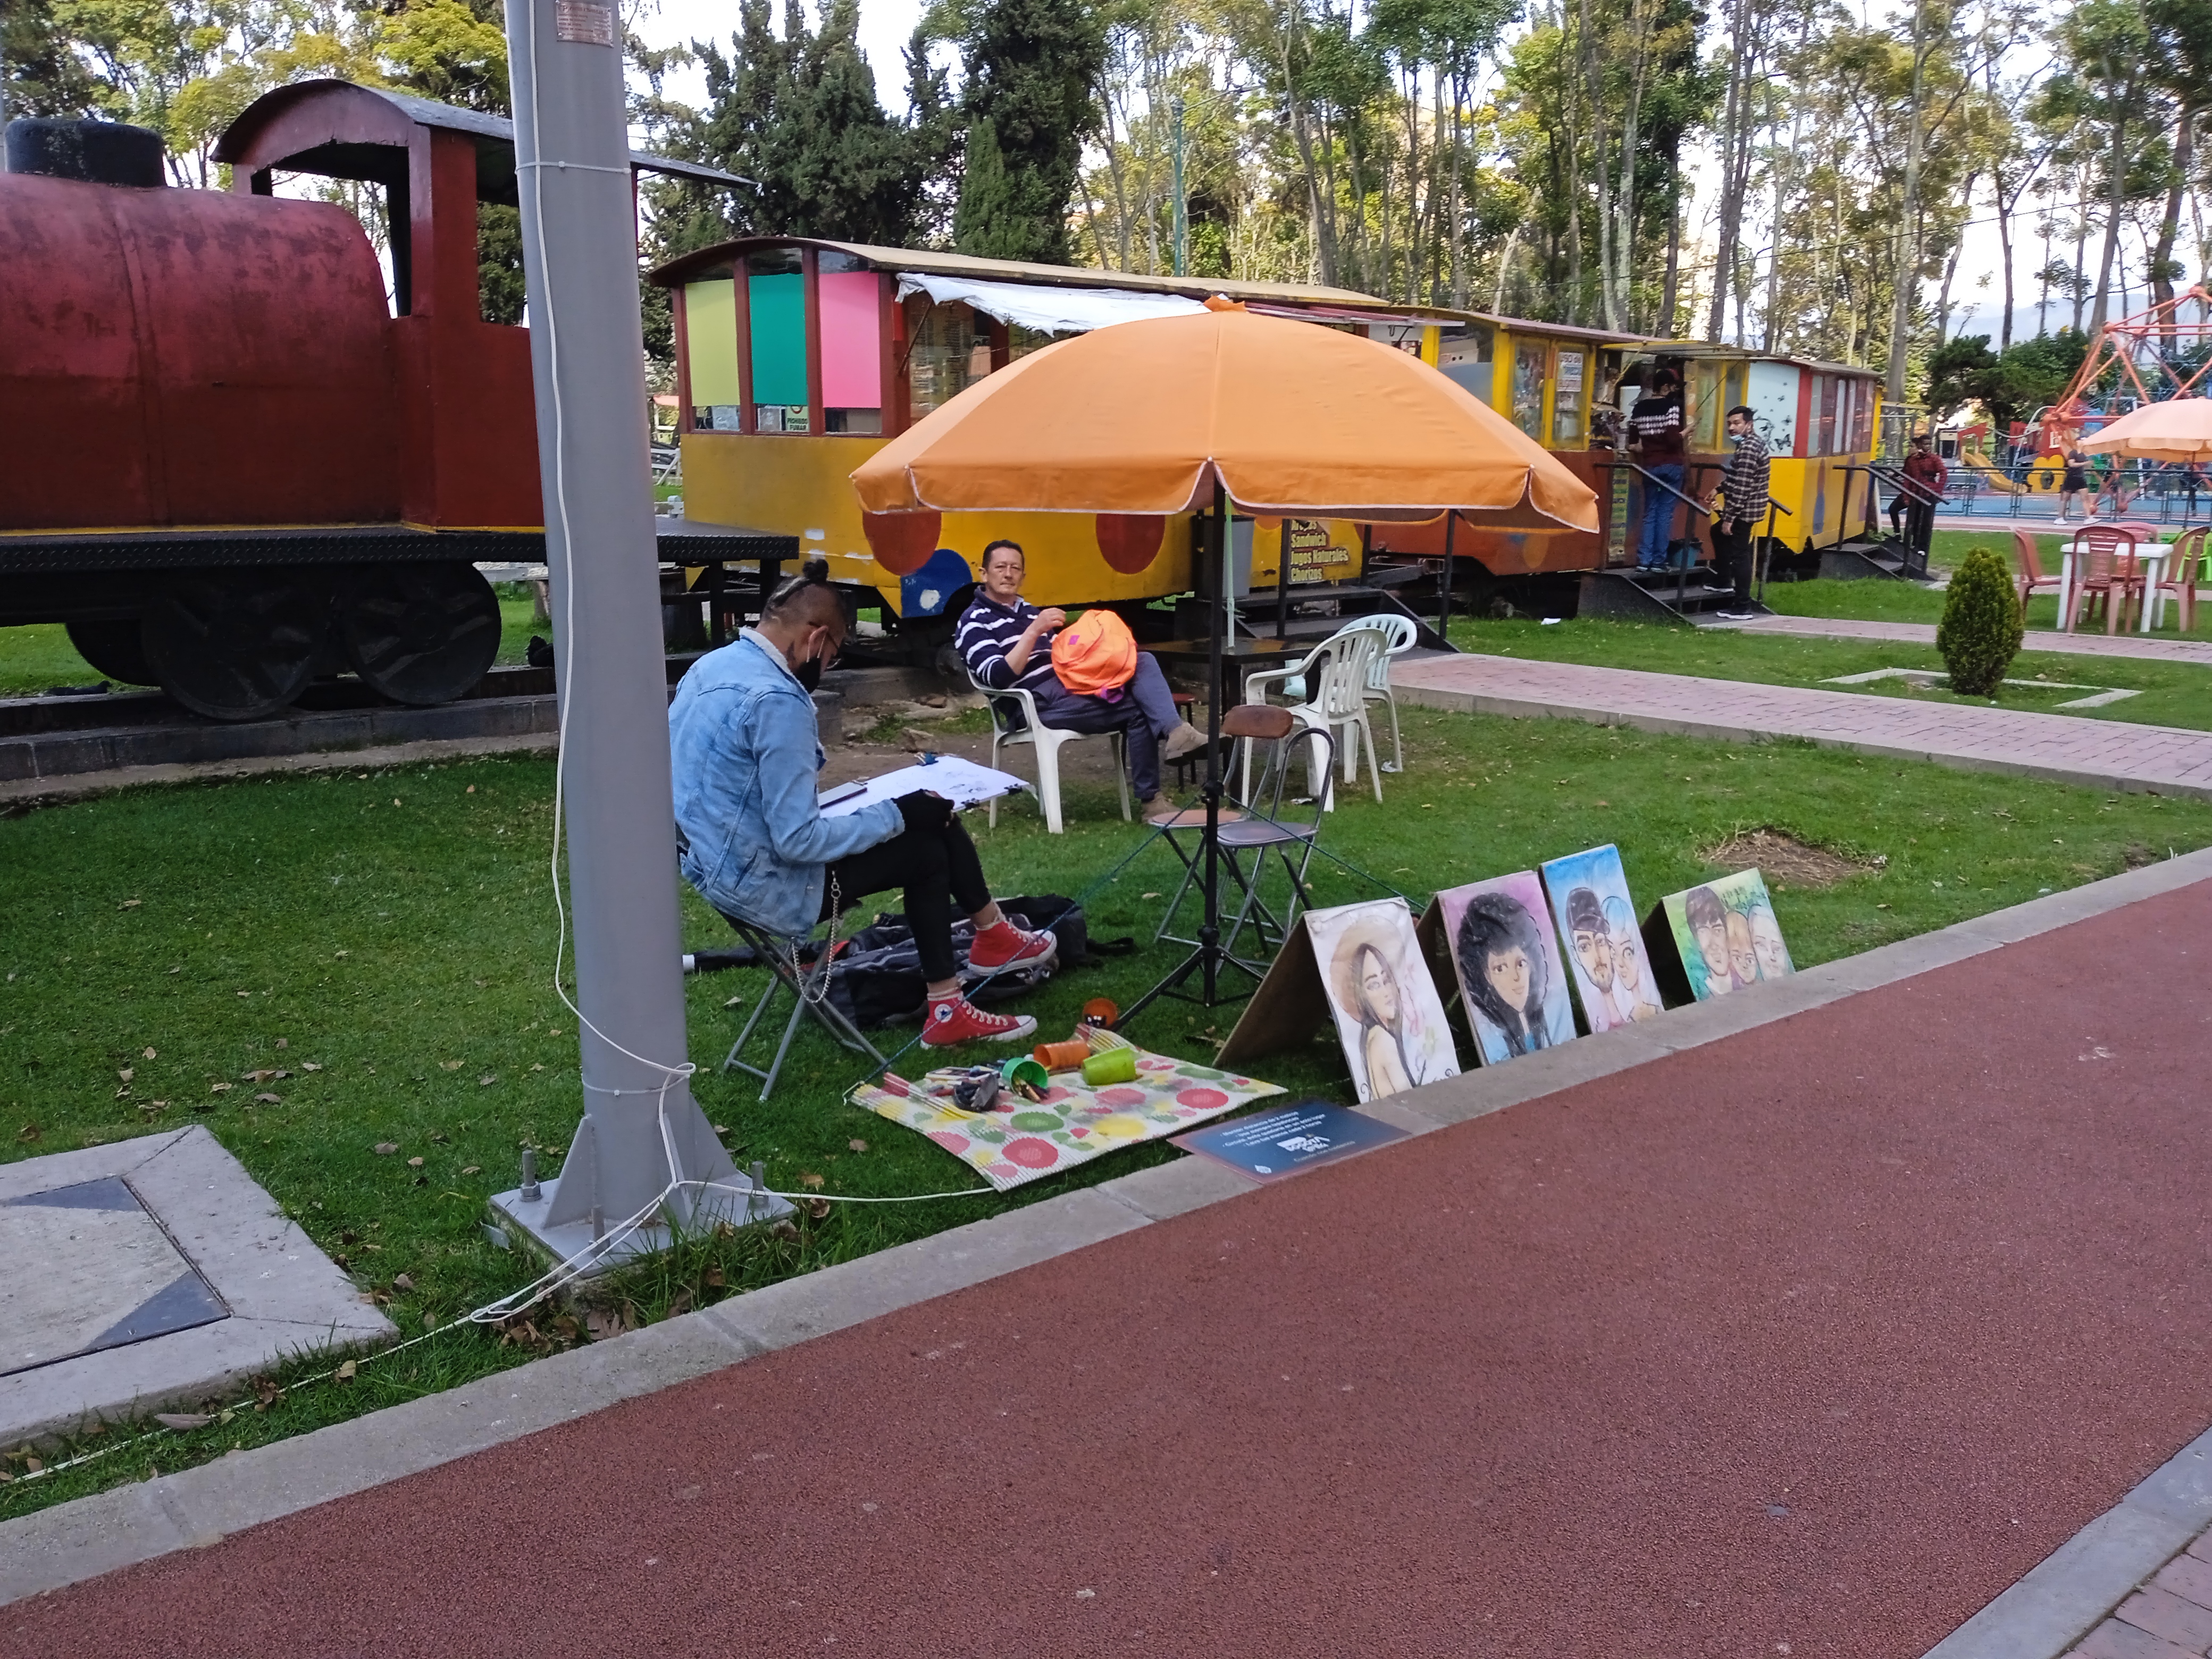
x=115 y=646
x=236 y=647
x=422 y=633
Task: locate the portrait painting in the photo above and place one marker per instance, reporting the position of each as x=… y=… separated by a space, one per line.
x=1589 y=896
x=1512 y=980
x=1389 y=1017
x=1726 y=935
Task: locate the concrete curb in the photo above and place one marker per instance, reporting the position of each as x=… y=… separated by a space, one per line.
x=80 y=1540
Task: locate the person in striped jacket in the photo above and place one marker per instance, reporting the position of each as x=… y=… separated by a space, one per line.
x=1007 y=641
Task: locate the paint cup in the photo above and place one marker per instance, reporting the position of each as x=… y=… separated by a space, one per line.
x=1101 y=1011
x=1014 y=1073
x=1110 y=1066
x=1061 y=1056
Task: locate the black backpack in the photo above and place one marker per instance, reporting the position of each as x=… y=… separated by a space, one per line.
x=877 y=978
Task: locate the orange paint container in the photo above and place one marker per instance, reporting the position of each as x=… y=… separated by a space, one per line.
x=1062 y=1056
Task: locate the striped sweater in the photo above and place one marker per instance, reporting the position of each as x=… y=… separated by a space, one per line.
x=988 y=630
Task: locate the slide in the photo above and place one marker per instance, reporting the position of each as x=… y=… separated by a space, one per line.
x=1977 y=462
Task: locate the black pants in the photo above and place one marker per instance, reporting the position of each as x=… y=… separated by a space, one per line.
x=1732 y=552
x=1919 y=525
x=935 y=868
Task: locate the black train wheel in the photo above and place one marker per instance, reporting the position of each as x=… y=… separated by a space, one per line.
x=234 y=646
x=420 y=633
x=114 y=646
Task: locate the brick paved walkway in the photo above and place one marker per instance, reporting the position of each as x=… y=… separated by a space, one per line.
x=2098 y=754
x=2169 y=1618
x=2152 y=646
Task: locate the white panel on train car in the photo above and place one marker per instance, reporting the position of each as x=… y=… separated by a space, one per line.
x=1771 y=389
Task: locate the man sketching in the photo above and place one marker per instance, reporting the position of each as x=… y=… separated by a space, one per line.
x=747 y=755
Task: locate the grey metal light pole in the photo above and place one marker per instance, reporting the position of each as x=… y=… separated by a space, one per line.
x=579 y=262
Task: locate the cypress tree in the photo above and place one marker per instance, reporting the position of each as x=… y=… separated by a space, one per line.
x=1031 y=68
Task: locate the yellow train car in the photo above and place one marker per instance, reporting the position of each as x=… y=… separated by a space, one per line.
x=793 y=376
x=1570 y=389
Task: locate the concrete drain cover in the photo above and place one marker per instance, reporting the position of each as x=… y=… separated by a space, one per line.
x=150 y=1274
x=95 y=1271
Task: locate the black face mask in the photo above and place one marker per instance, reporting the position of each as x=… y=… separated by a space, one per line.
x=810 y=674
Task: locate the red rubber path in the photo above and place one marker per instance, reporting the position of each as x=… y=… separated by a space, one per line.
x=1819 y=1336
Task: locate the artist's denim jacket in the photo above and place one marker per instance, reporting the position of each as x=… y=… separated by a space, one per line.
x=746 y=754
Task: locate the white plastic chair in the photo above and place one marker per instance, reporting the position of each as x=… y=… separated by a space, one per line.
x=1008 y=702
x=1401 y=631
x=1335 y=677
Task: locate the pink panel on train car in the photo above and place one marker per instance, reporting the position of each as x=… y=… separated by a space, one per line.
x=852 y=340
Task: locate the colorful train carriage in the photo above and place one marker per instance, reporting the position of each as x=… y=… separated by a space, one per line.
x=791 y=377
x=1570 y=389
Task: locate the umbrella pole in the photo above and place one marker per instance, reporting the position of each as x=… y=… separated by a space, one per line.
x=1209 y=935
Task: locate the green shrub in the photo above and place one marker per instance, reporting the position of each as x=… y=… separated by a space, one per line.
x=1982 y=624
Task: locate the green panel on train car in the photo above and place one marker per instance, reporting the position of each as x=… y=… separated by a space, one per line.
x=779 y=317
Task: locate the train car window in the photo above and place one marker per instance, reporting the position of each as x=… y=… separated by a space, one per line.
x=1465 y=356
x=777 y=305
x=499 y=263
x=852 y=349
x=1527 y=386
x=1734 y=383
x=1020 y=342
x=1570 y=389
x=1863 y=418
x=710 y=336
x=1701 y=414
x=941 y=363
x=1824 y=418
x=831 y=261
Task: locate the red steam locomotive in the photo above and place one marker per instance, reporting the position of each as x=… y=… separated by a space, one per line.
x=231 y=464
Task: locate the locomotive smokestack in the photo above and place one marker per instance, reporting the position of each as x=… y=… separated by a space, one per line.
x=90 y=152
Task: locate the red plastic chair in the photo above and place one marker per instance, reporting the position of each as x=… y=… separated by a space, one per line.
x=2030 y=559
x=2104 y=569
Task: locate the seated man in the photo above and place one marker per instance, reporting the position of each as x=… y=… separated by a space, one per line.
x=746 y=753
x=1006 y=641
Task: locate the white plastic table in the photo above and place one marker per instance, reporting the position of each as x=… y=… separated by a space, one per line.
x=2150 y=561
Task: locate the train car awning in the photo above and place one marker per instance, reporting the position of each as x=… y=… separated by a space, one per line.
x=1047 y=309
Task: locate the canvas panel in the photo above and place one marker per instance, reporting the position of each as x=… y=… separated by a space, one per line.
x=1726 y=935
x=1596 y=921
x=1387 y=1014
x=1512 y=977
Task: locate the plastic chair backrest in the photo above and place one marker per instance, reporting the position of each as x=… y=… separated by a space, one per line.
x=1009 y=707
x=2031 y=563
x=2103 y=549
x=1352 y=656
x=2188 y=557
x=1399 y=634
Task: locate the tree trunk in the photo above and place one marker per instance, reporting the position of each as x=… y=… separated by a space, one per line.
x=2169 y=225
x=1731 y=203
x=1906 y=280
x=1324 y=219
x=2116 y=168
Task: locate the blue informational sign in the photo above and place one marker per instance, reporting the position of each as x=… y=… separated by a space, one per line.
x=1268 y=1146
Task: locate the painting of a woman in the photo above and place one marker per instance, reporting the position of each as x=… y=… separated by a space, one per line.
x=1388 y=1015
x=1511 y=977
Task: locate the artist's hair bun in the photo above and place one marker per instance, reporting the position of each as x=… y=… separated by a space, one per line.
x=816 y=570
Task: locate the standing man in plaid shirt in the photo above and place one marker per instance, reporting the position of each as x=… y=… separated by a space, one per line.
x=1738 y=506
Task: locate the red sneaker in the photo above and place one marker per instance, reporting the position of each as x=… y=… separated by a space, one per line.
x=955 y=1019
x=1002 y=945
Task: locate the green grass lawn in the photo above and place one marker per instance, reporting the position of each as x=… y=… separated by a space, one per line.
x=2172 y=693
x=38 y=656
x=387 y=939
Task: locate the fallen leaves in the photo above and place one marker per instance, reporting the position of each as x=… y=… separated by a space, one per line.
x=473 y=1169
x=265 y=1098
x=858 y=1146
x=486 y=1080
x=218 y=1088
x=148 y=1054
x=345 y=1372
x=126 y=1074
x=808 y=1178
x=818 y=1208
x=414 y=1162
x=29 y=1131
x=386 y=1148
x=129 y=904
x=183 y=1419
x=449 y=1065
x=402 y=1282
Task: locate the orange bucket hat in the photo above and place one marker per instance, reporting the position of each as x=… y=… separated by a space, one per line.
x=1095 y=653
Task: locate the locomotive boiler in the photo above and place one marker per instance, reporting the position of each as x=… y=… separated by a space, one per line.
x=232 y=464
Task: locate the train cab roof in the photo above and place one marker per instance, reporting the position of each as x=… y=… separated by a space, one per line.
x=339 y=130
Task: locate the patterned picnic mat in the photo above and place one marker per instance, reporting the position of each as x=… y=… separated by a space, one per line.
x=1074 y=1123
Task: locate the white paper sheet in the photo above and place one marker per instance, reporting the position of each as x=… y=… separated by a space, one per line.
x=960 y=782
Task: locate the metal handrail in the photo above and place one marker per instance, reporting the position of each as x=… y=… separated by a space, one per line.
x=1690 y=501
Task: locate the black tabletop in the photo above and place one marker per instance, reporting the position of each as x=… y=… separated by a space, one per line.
x=1239 y=650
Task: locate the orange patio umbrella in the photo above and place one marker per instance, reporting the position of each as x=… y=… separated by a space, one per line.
x=1142 y=419
x=1283 y=417
x=2177 y=430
